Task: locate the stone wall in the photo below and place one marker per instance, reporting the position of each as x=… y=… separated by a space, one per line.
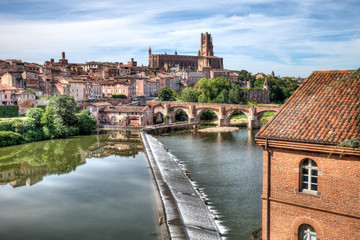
x=258 y=96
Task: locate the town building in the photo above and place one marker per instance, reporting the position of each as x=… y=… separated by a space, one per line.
x=23 y=95
x=205 y=58
x=96 y=90
x=311 y=163
x=121 y=86
x=7 y=95
x=96 y=107
x=126 y=116
x=12 y=78
x=16 y=64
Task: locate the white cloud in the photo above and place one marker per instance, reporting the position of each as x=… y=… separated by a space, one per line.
x=255 y=40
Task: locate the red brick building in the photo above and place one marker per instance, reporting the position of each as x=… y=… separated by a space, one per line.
x=309 y=193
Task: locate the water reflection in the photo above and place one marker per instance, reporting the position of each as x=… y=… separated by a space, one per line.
x=27 y=164
x=84 y=188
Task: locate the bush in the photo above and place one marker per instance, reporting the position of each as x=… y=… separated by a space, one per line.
x=6 y=125
x=35 y=113
x=8 y=138
x=9 y=110
x=34 y=135
x=123 y=96
x=86 y=122
x=166 y=94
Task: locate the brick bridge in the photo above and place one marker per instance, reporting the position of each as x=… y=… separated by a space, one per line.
x=223 y=111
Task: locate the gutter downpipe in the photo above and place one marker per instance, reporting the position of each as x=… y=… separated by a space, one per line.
x=267 y=190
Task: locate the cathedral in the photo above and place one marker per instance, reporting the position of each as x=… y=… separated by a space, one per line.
x=205 y=60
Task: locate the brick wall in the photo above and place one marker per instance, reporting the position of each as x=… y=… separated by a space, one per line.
x=334 y=209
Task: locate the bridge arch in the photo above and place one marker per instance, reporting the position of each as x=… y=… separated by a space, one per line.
x=159 y=108
x=175 y=110
x=229 y=114
x=260 y=114
x=200 y=111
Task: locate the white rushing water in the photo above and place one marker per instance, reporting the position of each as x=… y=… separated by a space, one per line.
x=198 y=220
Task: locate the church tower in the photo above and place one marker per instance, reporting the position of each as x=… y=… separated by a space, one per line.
x=206 y=46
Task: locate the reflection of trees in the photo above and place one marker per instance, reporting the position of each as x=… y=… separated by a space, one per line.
x=30 y=162
x=52 y=157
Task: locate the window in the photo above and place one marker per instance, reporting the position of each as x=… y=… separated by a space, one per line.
x=308 y=176
x=307 y=232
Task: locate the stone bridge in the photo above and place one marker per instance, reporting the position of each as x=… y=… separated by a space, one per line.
x=224 y=112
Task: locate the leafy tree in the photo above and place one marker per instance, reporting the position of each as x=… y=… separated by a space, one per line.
x=35 y=113
x=223 y=97
x=237 y=95
x=189 y=95
x=166 y=94
x=245 y=76
x=64 y=107
x=220 y=90
x=31 y=90
x=279 y=90
x=86 y=122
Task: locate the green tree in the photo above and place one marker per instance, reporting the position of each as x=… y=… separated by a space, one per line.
x=35 y=113
x=166 y=94
x=237 y=95
x=31 y=90
x=64 y=107
x=189 y=95
x=86 y=122
x=245 y=76
x=279 y=90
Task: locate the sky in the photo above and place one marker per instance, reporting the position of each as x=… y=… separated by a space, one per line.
x=291 y=38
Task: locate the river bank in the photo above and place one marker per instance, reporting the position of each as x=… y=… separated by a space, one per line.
x=186 y=214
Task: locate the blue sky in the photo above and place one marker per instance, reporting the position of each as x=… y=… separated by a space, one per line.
x=293 y=38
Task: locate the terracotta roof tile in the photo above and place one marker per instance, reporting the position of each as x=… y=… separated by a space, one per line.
x=319 y=111
x=125 y=109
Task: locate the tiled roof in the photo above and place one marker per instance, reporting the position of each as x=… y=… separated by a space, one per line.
x=97 y=104
x=325 y=109
x=125 y=109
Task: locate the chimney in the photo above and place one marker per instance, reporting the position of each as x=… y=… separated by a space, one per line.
x=52 y=60
x=63 y=55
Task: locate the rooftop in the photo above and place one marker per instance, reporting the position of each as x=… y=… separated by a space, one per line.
x=125 y=109
x=325 y=109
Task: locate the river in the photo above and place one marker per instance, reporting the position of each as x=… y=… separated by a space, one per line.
x=86 y=187
x=99 y=186
x=228 y=169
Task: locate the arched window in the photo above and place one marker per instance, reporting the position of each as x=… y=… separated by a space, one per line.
x=308 y=176
x=307 y=232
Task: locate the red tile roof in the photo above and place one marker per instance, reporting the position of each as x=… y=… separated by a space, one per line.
x=325 y=109
x=125 y=109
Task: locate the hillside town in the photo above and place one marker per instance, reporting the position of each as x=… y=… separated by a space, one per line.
x=99 y=80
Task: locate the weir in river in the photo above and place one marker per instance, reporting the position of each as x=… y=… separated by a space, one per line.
x=183 y=205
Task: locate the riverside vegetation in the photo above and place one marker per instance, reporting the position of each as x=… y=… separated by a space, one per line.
x=60 y=119
x=222 y=90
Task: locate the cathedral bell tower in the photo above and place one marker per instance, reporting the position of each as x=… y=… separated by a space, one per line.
x=206 y=46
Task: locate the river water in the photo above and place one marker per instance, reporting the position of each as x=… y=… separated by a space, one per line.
x=86 y=187
x=228 y=169
x=99 y=187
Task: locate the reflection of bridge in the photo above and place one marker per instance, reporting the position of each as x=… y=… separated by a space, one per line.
x=224 y=112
